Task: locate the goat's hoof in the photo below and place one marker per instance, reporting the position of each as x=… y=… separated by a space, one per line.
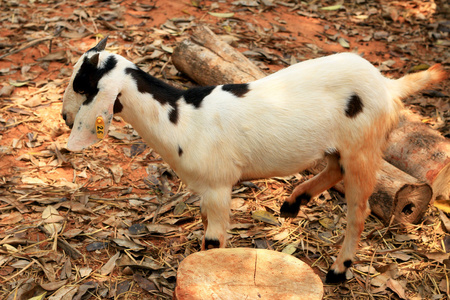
x=210 y=244
x=335 y=278
x=289 y=210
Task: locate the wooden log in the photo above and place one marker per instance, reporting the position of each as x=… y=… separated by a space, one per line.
x=402 y=197
x=210 y=61
x=243 y=273
x=422 y=152
x=398 y=197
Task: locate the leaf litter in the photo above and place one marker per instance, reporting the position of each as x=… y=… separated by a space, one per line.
x=115 y=221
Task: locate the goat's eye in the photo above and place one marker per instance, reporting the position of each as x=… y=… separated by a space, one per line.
x=81 y=92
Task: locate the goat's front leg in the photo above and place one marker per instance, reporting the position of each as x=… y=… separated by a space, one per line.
x=359 y=181
x=215 y=210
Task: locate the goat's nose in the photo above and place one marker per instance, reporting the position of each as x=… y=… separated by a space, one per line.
x=64 y=116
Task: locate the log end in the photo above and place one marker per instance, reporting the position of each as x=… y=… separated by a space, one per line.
x=243 y=273
x=412 y=203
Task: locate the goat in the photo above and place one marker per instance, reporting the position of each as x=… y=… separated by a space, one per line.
x=339 y=107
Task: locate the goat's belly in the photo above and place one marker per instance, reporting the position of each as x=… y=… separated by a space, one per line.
x=276 y=166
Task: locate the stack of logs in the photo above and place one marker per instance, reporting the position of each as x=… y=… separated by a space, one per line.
x=416 y=169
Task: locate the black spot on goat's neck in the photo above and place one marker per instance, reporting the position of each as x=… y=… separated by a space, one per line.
x=166 y=94
x=87 y=78
x=180 y=151
x=354 y=106
x=239 y=90
x=173 y=114
x=118 y=107
x=162 y=92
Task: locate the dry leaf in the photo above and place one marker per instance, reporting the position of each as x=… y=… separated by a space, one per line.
x=117 y=172
x=379 y=280
x=66 y=292
x=52 y=286
x=56 y=56
x=39 y=297
x=366 y=269
x=328 y=223
x=109 y=266
x=443 y=205
x=10 y=219
x=282 y=235
x=265 y=216
x=221 y=15
x=437 y=256
x=290 y=249
x=400 y=255
x=85 y=271
x=405 y=237
x=51 y=215
x=129 y=245
x=343 y=42
x=144 y=283
x=32 y=180
x=396 y=287
x=238 y=204
x=332 y=7
x=161 y=228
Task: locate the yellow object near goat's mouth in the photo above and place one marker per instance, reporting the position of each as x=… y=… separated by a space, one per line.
x=100 y=127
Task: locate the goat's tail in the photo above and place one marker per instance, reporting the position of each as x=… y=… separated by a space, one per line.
x=413 y=83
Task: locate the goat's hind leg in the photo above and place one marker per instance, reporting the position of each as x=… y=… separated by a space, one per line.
x=301 y=195
x=215 y=211
x=359 y=181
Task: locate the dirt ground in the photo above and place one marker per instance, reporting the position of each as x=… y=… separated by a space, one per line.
x=114 y=221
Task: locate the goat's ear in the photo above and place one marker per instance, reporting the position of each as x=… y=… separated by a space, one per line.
x=94 y=59
x=84 y=128
x=101 y=45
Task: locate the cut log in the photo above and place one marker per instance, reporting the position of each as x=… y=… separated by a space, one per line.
x=396 y=196
x=210 y=61
x=243 y=273
x=422 y=152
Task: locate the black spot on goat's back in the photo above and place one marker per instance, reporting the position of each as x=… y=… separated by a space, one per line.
x=354 y=106
x=239 y=90
x=88 y=76
x=196 y=95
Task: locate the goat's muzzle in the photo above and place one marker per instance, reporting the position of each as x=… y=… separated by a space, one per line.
x=64 y=116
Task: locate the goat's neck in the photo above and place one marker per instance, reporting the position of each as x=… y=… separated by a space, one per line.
x=150 y=118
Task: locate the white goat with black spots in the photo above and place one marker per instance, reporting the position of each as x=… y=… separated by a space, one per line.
x=337 y=106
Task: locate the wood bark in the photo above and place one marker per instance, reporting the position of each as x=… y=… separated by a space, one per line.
x=209 y=61
x=243 y=273
x=422 y=152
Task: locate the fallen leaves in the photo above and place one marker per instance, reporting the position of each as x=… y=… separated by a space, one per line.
x=114 y=219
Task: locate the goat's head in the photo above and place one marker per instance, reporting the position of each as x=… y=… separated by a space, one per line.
x=91 y=93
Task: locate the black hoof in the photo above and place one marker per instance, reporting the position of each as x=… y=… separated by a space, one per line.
x=211 y=244
x=335 y=278
x=289 y=210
